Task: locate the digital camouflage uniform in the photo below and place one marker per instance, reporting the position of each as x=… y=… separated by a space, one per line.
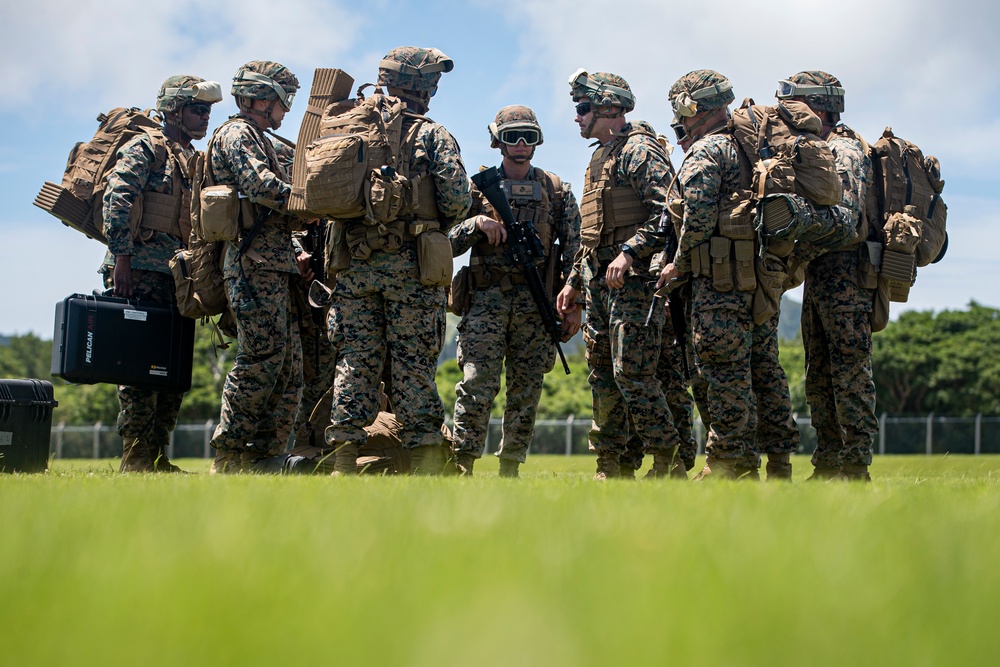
x=622 y=353
x=146 y=417
x=836 y=332
x=503 y=328
x=721 y=322
x=255 y=405
x=381 y=313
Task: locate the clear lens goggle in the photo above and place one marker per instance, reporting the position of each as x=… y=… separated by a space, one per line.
x=580 y=79
x=787 y=89
x=284 y=97
x=205 y=91
x=530 y=136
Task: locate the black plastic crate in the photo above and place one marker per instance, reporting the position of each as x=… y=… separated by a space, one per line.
x=25 y=425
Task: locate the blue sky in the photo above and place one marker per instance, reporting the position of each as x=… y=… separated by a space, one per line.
x=926 y=68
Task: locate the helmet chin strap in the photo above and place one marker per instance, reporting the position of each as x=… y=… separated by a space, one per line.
x=174 y=118
x=516 y=160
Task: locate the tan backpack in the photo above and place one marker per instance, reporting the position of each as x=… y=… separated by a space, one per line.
x=78 y=202
x=351 y=169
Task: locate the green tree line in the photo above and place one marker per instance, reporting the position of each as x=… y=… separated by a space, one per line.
x=923 y=362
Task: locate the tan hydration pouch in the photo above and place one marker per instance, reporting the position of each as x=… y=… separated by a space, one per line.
x=434 y=256
x=220 y=213
x=722 y=265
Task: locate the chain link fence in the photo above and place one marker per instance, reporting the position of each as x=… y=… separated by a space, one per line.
x=929 y=434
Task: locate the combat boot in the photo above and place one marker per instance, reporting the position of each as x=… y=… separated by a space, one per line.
x=779 y=467
x=431 y=460
x=465 y=462
x=667 y=464
x=345 y=458
x=230 y=462
x=716 y=468
x=138 y=455
x=855 y=473
x=160 y=462
x=509 y=468
x=626 y=471
x=608 y=467
x=821 y=474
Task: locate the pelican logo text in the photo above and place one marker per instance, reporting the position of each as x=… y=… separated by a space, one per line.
x=89 y=358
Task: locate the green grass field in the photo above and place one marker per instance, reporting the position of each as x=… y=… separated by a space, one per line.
x=551 y=569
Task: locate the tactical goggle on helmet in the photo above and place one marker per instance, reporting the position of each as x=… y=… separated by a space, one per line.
x=788 y=89
x=284 y=96
x=205 y=91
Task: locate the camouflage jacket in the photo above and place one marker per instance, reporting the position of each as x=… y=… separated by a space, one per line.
x=642 y=164
x=436 y=151
x=242 y=155
x=132 y=175
x=566 y=226
x=710 y=171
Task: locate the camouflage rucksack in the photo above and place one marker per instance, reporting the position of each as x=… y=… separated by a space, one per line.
x=78 y=202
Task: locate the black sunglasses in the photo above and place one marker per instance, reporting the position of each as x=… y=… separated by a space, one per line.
x=582 y=108
x=200 y=109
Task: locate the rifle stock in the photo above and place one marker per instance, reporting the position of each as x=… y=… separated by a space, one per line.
x=523 y=248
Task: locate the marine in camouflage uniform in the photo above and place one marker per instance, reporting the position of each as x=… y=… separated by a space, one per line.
x=836 y=309
x=722 y=327
x=152 y=171
x=255 y=405
x=381 y=313
x=503 y=328
x=630 y=173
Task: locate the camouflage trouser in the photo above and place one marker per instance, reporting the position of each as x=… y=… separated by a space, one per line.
x=837 y=334
x=722 y=336
x=670 y=373
x=144 y=413
x=379 y=308
x=501 y=325
x=776 y=429
x=254 y=401
x=622 y=355
x=291 y=399
x=319 y=365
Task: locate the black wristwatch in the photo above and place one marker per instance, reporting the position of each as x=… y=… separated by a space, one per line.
x=630 y=251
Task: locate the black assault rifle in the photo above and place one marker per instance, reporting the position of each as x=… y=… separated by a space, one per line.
x=523 y=250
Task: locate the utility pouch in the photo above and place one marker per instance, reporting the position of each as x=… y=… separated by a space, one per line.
x=746 y=279
x=899 y=270
x=869 y=263
x=737 y=214
x=385 y=195
x=247 y=216
x=771 y=277
x=338 y=253
x=434 y=258
x=701 y=261
x=460 y=295
x=722 y=265
x=220 y=212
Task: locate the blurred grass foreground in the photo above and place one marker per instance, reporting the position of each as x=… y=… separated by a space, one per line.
x=551 y=569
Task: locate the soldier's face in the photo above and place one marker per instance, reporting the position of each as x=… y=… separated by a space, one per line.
x=195 y=117
x=584 y=119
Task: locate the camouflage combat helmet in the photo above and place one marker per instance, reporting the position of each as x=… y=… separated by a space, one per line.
x=700 y=90
x=414 y=68
x=265 y=80
x=602 y=89
x=185 y=89
x=513 y=123
x=820 y=90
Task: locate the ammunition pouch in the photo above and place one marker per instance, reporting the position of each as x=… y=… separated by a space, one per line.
x=771 y=277
x=460 y=294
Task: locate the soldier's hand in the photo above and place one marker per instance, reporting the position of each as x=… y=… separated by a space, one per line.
x=668 y=273
x=615 y=275
x=495 y=232
x=123 y=285
x=571 y=324
x=302 y=260
x=566 y=301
